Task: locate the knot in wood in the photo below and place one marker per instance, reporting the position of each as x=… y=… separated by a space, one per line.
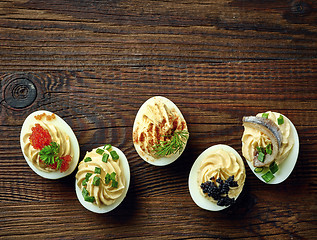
x=20 y=93
x=300 y=8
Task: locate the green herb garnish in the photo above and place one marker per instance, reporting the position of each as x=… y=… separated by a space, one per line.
x=97 y=170
x=280 y=120
x=268 y=176
x=258 y=169
x=86 y=196
x=268 y=149
x=96 y=181
x=265 y=115
x=114 y=184
x=84 y=182
x=49 y=155
x=261 y=156
x=107 y=146
x=114 y=155
x=105 y=157
x=88 y=175
x=111 y=177
x=174 y=145
x=100 y=151
x=87 y=159
x=107 y=178
x=273 y=167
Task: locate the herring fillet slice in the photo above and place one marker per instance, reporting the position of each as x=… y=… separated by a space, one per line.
x=269 y=128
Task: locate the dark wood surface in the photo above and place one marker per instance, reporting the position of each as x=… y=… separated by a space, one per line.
x=95 y=62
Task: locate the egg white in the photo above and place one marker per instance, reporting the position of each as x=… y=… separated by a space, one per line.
x=163 y=161
x=107 y=208
x=61 y=124
x=194 y=187
x=287 y=166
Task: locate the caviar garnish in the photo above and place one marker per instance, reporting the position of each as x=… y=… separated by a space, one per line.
x=219 y=192
x=87 y=159
x=40 y=137
x=114 y=155
x=65 y=163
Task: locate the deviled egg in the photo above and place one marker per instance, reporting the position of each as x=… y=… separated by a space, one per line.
x=217 y=178
x=160 y=131
x=49 y=145
x=103 y=179
x=270 y=144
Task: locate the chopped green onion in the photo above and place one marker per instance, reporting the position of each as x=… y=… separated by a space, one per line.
x=84 y=182
x=261 y=157
x=88 y=175
x=89 y=199
x=113 y=176
x=107 y=178
x=96 y=181
x=105 y=157
x=280 y=120
x=114 y=184
x=87 y=159
x=274 y=167
x=97 y=170
x=268 y=176
x=258 y=169
x=100 y=151
x=107 y=146
x=114 y=155
x=260 y=149
x=265 y=115
x=86 y=196
x=268 y=149
x=85 y=192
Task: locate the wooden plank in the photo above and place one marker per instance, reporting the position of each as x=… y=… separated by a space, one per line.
x=100 y=106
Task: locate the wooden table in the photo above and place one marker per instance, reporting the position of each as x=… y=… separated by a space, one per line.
x=95 y=62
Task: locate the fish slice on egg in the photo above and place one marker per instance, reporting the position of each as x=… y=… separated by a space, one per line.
x=269 y=128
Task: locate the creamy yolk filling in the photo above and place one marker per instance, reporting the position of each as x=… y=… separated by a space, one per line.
x=104 y=193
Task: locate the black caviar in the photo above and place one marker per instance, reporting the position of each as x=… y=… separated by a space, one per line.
x=219 y=192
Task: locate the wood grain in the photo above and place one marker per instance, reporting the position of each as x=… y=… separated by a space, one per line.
x=95 y=62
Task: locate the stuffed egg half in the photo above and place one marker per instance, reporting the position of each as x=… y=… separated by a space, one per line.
x=160 y=131
x=216 y=178
x=103 y=179
x=49 y=145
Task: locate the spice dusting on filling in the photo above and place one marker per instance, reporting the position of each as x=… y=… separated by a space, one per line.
x=219 y=190
x=160 y=131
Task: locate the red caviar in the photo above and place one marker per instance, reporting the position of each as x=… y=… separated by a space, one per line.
x=40 y=137
x=65 y=164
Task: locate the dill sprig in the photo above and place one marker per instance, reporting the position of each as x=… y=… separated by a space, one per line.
x=49 y=154
x=174 y=145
